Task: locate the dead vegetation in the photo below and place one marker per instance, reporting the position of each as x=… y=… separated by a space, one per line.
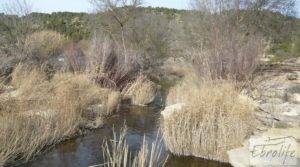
x=116 y=153
x=215 y=119
x=110 y=65
x=141 y=92
x=44 y=44
x=42 y=111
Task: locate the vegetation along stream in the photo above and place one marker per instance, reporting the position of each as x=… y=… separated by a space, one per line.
x=86 y=150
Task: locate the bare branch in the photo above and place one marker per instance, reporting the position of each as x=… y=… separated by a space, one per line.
x=17 y=7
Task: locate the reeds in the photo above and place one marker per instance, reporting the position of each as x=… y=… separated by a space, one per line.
x=43 y=111
x=142 y=91
x=116 y=153
x=215 y=119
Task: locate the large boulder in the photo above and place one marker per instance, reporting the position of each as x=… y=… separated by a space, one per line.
x=241 y=157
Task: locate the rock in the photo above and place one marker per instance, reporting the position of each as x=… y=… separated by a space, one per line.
x=169 y=110
x=292 y=76
x=286 y=114
x=240 y=157
x=295 y=98
x=273 y=107
x=98 y=123
x=298 y=60
x=274 y=100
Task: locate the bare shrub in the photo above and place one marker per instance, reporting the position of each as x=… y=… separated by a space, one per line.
x=214 y=120
x=218 y=45
x=116 y=153
x=107 y=64
x=229 y=55
x=74 y=58
x=2 y=86
x=142 y=91
x=296 y=48
x=44 y=44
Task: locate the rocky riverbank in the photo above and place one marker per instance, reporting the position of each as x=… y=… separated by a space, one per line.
x=276 y=93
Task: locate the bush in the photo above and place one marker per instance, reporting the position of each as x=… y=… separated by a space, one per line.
x=296 y=48
x=43 y=111
x=116 y=153
x=43 y=45
x=142 y=91
x=215 y=119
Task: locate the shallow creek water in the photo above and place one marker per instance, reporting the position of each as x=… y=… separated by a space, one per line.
x=86 y=150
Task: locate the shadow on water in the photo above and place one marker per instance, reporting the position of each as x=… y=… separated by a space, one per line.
x=86 y=150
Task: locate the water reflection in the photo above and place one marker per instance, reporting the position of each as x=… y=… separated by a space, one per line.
x=86 y=150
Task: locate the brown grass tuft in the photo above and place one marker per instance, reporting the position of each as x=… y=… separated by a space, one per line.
x=142 y=91
x=45 y=111
x=43 y=44
x=116 y=153
x=2 y=87
x=214 y=120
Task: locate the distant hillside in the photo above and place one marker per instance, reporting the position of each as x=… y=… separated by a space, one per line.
x=272 y=25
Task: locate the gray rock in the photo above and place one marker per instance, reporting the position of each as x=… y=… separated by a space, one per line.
x=170 y=110
x=298 y=60
x=292 y=76
x=240 y=157
x=295 y=98
x=286 y=114
x=274 y=100
x=97 y=123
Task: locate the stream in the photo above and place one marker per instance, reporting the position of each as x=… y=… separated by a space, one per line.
x=85 y=151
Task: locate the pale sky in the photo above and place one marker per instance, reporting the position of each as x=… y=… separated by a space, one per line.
x=49 y=6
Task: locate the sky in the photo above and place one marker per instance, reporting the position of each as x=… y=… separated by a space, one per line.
x=49 y=6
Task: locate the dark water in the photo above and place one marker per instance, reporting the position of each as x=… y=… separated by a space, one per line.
x=86 y=150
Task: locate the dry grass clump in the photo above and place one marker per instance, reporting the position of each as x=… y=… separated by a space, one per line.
x=46 y=111
x=23 y=136
x=142 y=91
x=43 y=44
x=215 y=119
x=116 y=153
x=2 y=87
x=26 y=78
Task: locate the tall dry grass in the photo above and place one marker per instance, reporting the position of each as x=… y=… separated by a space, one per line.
x=2 y=87
x=215 y=119
x=141 y=92
x=43 y=111
x=44 y=44
x=116 y=153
